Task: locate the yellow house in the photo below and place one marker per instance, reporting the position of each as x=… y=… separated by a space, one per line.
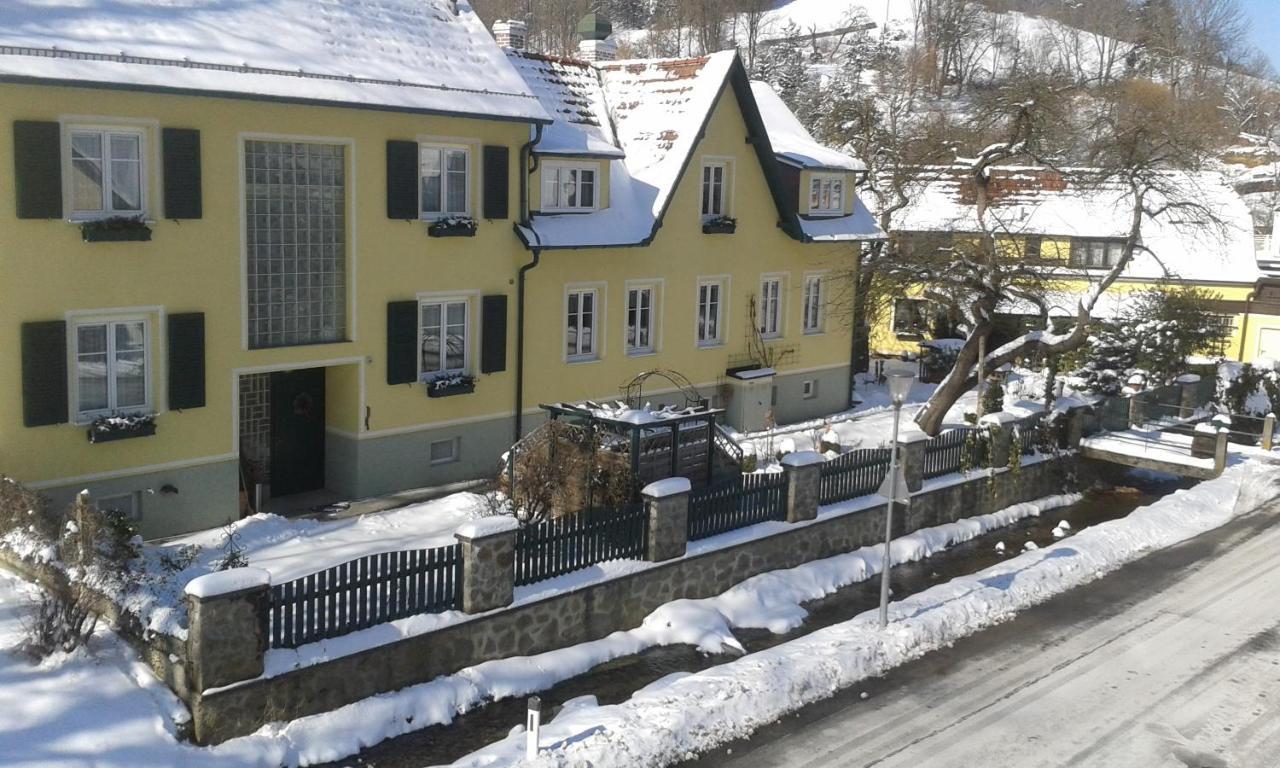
x=1075 y=233
x=231 y=266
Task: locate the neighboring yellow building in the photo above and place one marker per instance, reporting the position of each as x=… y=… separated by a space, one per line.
x=1075 y=234
x=295 y=265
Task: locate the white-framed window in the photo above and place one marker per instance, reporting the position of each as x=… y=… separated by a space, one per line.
x=826 y=194
x=813 y=308
x=1096 y=254
x=641 y=318
x=107 y=172
x=570 y=187
x=711 y=301
x=715 y=189
x=444 y=334
x=446 y=451
x=126 y=505
x=770 y=307
x=809 y=389
x=445 y=179
x=111 y=367
x=910 y=316
x=582 y=309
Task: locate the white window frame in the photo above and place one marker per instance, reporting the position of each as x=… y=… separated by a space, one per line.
x=597 y=323
x=655 y=304
x=778 y=329
x=73 y=374
x=455 y=455
x=560 y=167
x=722 y=282
x=443 y=148
x=725 y=165
x=814 y=294
x=444 y=302
x=809 y=389
x=105 y=131
x=132 y=510
x=818 y=180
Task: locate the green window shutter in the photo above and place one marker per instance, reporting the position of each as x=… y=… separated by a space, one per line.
x=44 y=373
x=37 y=166
x=493 y=328
x=186 y=361
x=402 y=342
x=497 y=166
x=183 y=198
x=402 y=180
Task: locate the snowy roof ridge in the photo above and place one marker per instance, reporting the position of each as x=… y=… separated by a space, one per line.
x=430 y=56
x=570 y=91
x=792 y=142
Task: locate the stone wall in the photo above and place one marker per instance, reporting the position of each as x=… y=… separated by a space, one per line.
x=594 y=611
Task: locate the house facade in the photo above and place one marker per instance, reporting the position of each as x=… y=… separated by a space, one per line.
x=1075 y=232
x=234 y=269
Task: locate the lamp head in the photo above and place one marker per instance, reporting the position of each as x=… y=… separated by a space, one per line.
x=900 y=387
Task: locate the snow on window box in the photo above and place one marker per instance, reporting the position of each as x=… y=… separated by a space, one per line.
x=720 y=225
x=116 y=229
x=108 y=429
x=450 y=384
x=453 y=226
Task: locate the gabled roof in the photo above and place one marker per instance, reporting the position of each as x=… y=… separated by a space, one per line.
x=1048 y=203
x=431 y=56
x=646 y=117
x=791 y=142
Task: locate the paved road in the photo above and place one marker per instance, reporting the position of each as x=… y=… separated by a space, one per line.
x=1171 y=661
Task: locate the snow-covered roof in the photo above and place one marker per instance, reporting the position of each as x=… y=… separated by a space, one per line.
x=1038 y=201
x=791 y=142
x=570 y=91
x=416 y=55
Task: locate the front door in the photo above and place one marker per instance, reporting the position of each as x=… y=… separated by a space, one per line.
x=297 y=431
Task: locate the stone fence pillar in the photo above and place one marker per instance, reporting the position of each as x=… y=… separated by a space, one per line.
x=804 y=485
x=667 y=502
x=1137 y=409
x=911 y=447
x=1081 y=422
x=227 y=627
x=1001 y=436
x=488 y=562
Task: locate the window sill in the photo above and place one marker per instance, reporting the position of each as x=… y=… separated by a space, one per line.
x=641 y=352
x=710 y=345
x=816 y=332
x=581 y=360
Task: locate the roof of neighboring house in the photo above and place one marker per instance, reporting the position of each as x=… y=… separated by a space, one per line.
x=1044 y=202
x=431 y=56
x=646 y=118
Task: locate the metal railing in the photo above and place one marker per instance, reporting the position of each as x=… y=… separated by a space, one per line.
x=737 y=503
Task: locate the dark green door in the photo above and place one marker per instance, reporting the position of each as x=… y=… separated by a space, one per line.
x=297 y=431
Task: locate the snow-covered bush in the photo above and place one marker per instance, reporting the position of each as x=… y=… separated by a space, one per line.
x=1246 y=389
x=26 y=513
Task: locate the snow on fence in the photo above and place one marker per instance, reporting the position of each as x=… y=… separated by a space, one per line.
x=361 y=593
x=857 y=473
x=566 y=544
x=737 y=503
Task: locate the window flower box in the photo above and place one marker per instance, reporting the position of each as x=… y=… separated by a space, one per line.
x=453 y=226
x=117 y=229
x=450 y=385
x=108 y=429
x=721 y=225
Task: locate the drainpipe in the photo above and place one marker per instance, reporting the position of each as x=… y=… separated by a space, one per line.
x=1244 y=326
x=526 y=154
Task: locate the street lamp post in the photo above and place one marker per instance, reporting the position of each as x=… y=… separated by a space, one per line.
x=899 y=388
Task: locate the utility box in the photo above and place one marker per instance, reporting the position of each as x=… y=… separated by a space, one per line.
x=750 y=404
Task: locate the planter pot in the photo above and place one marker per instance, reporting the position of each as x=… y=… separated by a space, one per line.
x=719 y=227
x=139 y=234
x=145 y=429
x=464 y=388
x=452 y=230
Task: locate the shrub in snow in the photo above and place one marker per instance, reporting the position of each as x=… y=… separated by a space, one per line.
x=26 y=513
x=561 y=469
x=63 y=622
x=1245 y=389
x=993 y=397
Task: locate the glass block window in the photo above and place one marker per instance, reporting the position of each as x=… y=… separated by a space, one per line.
x=295 y=210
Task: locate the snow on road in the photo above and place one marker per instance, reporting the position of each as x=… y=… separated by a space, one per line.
x=682 y=714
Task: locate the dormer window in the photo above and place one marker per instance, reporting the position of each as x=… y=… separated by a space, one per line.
x=826 y=194
x=569 y=187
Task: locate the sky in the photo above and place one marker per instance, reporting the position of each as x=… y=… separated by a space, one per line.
x=1264 y=17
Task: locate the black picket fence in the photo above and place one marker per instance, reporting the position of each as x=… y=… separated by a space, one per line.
x=566 y=544
x=364 y=592
x=736 y=503
x=956 y=450
x=854 y=474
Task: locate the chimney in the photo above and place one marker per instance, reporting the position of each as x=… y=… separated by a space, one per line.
x=594 y=29
x=511 y=34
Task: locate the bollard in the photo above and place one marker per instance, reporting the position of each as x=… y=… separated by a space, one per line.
x=532 y=725
x=1268 y=431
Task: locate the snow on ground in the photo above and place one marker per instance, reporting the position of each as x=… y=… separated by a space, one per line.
x=1168 y=447
x=683 y=714
x=289 y=548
